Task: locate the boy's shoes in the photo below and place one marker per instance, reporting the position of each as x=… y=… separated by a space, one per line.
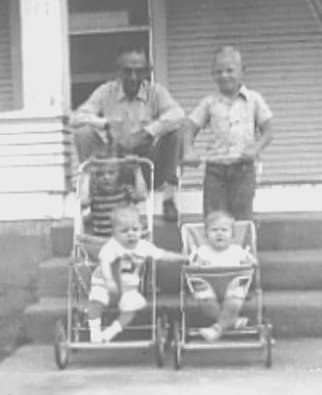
x=111 y=331
x=170 y=211
x=211 y=334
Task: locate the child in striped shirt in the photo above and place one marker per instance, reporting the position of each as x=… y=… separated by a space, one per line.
x=104 y=187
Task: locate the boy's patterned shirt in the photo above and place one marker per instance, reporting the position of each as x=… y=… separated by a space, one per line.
x=233 y=123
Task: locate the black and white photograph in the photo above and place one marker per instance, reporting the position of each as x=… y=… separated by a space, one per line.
x=161 y=197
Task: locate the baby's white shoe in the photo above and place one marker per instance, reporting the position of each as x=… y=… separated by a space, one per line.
x=111 y=331
x=211 y=334
x=96 y=336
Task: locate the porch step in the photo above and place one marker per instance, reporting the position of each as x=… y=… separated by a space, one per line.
x=281 y=270
x=292 y=313
x=288 y=231
x=62 y=237
x=282 y=230
x=165 y=234
x=289 y=252
x=291 y=269
x=275 y=231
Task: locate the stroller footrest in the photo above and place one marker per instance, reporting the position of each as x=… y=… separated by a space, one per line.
x=224 y=345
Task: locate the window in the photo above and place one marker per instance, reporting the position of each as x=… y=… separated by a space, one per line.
x=97 y=28
x=10 y=56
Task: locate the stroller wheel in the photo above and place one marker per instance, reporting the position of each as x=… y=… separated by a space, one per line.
x=177 y=345
x=62 y=352
x=268 y=345
x=161 y=339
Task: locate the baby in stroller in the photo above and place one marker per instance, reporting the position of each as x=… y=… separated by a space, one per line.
x=220 y=251
x=119 y=273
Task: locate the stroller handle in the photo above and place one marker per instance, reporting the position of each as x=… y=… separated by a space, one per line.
x=118 y=160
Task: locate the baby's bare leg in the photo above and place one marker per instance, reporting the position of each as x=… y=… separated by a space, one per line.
x=126 y=317
x=95 y=309
x=210 y=308
x=229 y=312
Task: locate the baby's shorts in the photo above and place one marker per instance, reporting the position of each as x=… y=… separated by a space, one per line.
x=130 y=300
x=203 y=290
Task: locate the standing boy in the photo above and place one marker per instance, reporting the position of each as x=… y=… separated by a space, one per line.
x=240 y=124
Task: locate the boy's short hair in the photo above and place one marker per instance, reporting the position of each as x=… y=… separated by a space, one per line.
x=214 y=216
x=124 y=211
x=227 y=50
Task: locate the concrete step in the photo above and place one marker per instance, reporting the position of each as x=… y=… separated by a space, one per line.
x=281 y=270
x=292 y=314
x=282 y=231
x=53 y=277
x=166 y=234
x=291 y=269
x=62 y=237
x=289 y=231
x=275 y=231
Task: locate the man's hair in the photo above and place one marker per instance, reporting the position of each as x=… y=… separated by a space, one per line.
x=124 y=211
x=130 y=47
x=217 y=215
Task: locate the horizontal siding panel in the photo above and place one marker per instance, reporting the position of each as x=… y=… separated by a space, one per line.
x=35 y=155
x=247 y=15
x=40 y=149
x=33 y=138
x=39 y=160
x=281 y=44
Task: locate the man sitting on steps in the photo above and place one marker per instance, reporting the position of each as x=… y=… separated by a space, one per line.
x=140 y=116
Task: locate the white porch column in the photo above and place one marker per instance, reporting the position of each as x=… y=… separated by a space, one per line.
x=159 y=41
x=44 y=56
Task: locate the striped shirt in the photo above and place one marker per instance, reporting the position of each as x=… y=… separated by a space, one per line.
x=102 y=205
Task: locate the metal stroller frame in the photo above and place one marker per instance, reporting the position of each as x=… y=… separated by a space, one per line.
x=257 y=336
x=72 y=333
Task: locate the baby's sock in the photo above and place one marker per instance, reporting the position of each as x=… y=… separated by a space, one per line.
x=111 y=331
x=95 y=330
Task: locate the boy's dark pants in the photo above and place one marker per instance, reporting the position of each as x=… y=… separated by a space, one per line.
x=230 y=188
